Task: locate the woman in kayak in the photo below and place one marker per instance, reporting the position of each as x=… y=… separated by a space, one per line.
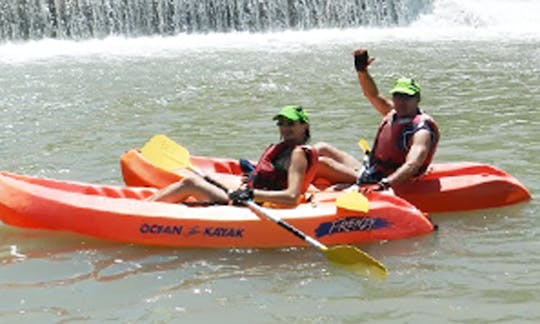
x=282 y=175
x=405 y=142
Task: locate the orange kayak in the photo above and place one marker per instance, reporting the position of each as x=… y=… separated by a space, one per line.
x=446 y=187
x=121 y=214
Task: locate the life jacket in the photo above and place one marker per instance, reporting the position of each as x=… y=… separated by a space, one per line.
x=392 y=142
x=271 y=172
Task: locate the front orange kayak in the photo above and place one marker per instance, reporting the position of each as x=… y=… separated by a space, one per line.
x=121 y=214
x=446 y=187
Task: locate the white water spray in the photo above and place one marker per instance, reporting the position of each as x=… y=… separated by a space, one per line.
x=462 y=20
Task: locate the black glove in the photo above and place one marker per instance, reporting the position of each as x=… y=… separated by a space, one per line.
x=369 y=175
x=240 y=196
x=360 y=60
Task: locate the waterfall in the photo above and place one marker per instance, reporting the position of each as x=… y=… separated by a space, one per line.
x=84 y=19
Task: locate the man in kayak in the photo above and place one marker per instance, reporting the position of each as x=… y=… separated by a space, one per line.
x=282 y=175
x=405 y=142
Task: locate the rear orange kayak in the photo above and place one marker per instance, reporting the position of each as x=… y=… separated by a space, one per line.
x=463 y=186
x=121 y=214
x=446 y=187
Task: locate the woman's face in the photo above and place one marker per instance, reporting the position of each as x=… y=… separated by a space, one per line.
x=291 y=130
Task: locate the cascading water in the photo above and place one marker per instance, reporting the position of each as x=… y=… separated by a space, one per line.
x=83 y=19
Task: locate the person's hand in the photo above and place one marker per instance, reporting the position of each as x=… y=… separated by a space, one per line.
x=370 y=188
x=379 y=186
x=361 y=60
x=241 y=196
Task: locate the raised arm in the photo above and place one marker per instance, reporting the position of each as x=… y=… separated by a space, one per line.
x=369 y=88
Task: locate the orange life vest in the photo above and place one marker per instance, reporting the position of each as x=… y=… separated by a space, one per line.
x=392 y=142
x=271 y=172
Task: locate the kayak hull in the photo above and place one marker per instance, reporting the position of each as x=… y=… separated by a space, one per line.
x=464 y=192
x=121 y=214
x=446 y=187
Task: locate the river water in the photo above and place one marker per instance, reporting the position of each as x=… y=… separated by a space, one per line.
x=71 y=108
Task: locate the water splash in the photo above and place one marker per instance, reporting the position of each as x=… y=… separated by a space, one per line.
x=499 y=20
x=480 y=19
x=84 y=19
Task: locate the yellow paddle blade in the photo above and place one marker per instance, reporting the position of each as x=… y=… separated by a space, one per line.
x=364 y=145
x=353 y=200
x=357 y=261
x=164 y=153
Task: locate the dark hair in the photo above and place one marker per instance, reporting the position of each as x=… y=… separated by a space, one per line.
x=304 y=120
x=307 y=133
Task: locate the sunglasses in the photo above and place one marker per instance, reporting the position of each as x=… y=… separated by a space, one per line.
x=402 y=95
x=288 y=123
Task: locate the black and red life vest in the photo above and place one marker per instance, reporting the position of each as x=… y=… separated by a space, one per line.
x=392 y=142
x=271 y=172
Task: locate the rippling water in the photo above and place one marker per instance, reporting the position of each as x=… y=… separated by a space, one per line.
x=69 y=111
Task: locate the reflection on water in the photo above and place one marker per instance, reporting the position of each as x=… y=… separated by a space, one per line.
x=105 y=261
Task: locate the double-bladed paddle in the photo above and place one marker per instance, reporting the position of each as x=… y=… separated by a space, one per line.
x=166 y=154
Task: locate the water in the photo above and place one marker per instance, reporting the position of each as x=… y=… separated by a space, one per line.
x=83 y=19
x=70 y=108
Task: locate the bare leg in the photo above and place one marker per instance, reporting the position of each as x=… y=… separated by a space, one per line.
x=338 y=155
x=190 y=185
x=335 y=165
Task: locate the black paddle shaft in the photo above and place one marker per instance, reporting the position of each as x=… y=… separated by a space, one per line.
x=215 y=183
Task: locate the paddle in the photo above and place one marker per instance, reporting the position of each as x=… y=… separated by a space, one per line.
x=353 y=200
x=364 y=145
x=366 y=149
x=164 y=153
x=345 y=256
